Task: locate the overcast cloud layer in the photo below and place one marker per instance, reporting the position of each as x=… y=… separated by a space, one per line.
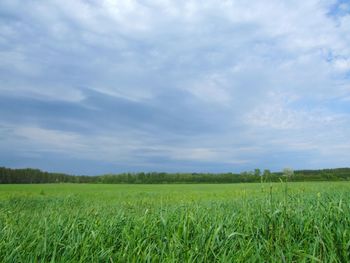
x=100 y=86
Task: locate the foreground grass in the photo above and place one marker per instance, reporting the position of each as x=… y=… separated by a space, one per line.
x=298 y=222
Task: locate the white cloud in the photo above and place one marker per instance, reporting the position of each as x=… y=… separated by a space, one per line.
x=277 y=112
x=211 y=88
x=343 y=65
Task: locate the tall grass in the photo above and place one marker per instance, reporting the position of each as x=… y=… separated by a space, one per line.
x=303 y=224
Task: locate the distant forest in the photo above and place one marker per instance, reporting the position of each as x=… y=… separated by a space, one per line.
x=35 y=176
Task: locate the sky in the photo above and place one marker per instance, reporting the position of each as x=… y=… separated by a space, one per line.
x=102 y=86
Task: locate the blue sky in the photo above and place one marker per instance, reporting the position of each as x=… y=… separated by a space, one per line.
x=91 y=87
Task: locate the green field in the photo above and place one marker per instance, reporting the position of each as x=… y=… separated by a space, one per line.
x=295 y=222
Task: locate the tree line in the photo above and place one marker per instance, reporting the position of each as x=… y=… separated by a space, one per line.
x=36 y=176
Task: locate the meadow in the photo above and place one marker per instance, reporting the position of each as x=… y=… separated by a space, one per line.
x=268 y=222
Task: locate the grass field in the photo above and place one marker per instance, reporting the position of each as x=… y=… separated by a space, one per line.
x=295 y=222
